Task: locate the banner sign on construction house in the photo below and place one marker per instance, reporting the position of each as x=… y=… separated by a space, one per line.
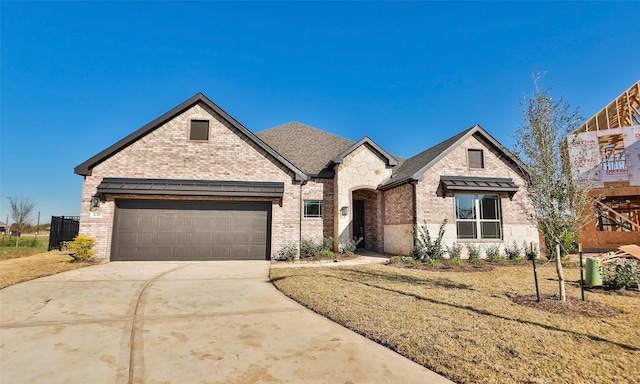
x=606 y=156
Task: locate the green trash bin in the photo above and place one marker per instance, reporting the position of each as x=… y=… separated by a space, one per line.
x=594 y=272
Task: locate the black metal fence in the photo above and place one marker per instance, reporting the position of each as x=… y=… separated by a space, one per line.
x=63 y=228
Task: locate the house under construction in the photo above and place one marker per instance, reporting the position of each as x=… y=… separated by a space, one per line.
x=616 y=132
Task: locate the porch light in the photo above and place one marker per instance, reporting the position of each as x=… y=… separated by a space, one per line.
x=95 y=201
x=344 y=211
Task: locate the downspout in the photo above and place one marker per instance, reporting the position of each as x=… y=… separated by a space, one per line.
x=301 y=207
x=415 y=210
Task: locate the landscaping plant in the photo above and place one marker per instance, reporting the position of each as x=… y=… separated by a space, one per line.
x=621 y=275
x=287 y=253
x=80 y=247
x=493 y=254
x=474 y=252
x=513 y=252
x=425 y=248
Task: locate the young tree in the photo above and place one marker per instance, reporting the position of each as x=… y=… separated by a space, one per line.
x=21 y=209
x=541 y=142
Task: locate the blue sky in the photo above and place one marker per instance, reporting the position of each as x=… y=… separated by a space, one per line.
x=78 y=76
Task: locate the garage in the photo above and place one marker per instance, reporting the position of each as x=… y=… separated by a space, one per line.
x=190 y=230
x=175 y=219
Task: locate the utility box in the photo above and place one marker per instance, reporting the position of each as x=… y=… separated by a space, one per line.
x=594 y=272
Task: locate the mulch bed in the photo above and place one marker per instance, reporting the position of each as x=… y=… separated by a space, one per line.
x=571 y=307
x=338 y=257
x=446 y=266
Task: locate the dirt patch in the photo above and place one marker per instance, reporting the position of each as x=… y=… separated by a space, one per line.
x=571 y=307
x=17 y=255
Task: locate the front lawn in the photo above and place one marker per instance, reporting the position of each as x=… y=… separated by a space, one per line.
x=17 y=270
x=468 y=327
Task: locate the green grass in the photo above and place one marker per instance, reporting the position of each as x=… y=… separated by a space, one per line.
x=29 y=245
x=465 y=327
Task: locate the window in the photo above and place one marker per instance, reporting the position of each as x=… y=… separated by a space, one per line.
x=478 y=216
x=199 y=130
x=476 y=158
x=312 y=208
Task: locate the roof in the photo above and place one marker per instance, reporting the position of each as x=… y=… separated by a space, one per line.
x=310 y=149
x=316 y=151
x=413 y=168
x=190 y=187
x=86 y=167
x=390 y=160
x=623 y=111
x=470 y=183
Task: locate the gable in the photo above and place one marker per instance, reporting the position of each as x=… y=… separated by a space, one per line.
x=170 y=131
x=371 y=146
x=414 y=168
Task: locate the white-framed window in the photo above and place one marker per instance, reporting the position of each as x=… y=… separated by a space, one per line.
x=313 y=208
x=475 y=158
x=199 y=130
x=478 y=216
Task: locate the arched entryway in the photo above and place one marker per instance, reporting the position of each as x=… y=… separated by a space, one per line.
x=366 y=219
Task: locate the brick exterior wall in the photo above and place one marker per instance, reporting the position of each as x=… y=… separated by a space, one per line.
x=398 y=220
x=167 y=153
x=433 y=208
x=318 y=228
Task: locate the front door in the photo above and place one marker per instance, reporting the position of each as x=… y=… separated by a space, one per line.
x=358 y=222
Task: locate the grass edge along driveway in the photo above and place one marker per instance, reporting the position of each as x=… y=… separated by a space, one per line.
x=465 y=326
x=14 y=271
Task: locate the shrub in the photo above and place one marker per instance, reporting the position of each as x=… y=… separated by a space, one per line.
x=349 y=247
x=474 y=251
x=623 y=274
x=424 y=247
x=455 y=261
x=328 y=253
x=493 y=254
x=327 y=244
x=454 y=251
x=514 y=252
x=310 y=248
x=80 y=247
x=434 y=263
x=402 y=259
x=287 y=253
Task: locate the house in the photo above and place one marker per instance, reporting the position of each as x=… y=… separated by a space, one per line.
x=194 y=184
x=607 y=154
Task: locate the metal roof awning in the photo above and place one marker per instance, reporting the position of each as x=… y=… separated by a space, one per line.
x=483 y=184
x=179 y=187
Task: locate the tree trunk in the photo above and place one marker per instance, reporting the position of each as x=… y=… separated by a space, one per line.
x=563 y=292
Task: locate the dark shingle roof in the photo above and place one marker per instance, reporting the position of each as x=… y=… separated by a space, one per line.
x=310 y=149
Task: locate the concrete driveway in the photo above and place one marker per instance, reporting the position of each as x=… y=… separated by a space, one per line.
x=180 y=322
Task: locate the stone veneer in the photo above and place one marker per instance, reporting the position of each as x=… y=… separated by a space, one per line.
x=167 y=153
x=360 y=169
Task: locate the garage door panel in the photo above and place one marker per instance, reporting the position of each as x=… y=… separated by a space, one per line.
x=157 y=230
